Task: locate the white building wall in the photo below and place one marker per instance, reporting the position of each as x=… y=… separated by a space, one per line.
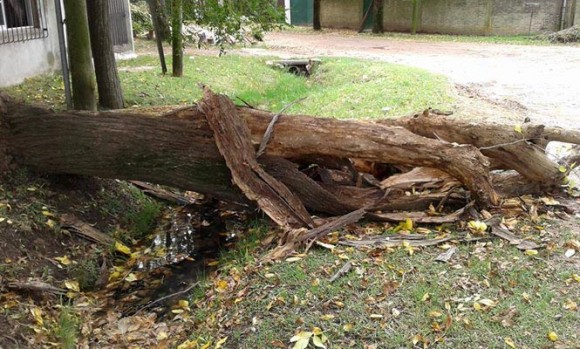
x=21 y=60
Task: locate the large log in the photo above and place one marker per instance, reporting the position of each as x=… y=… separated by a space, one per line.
x=517 y=147
x=178 y=148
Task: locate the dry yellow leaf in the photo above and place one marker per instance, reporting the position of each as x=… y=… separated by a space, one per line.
x=327 y=317
x=293 y=259
x=347 y=327
x=477 y=306
x=120 y=247
x=425 y=297
x=435 y=313
x=188 y=344
x=37 y=314
x=526 y=296
x=570 y=305
x=162 y=335
x=131 y=277
x=552 y=336
x=63 y=260
x=222 y=285
x=376 y=316
x=488 y=302
x=531 y=252
x=72 y=285
x=408 y=224
x=509 y=342
x=220 y=343
x=50 y=223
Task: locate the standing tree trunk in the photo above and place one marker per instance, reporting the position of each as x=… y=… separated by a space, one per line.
x=156 y=11
x=415 y=17
x=378 y=20
x=108 y=83
x=79 y=51
x=176 y=37
x=316 y=17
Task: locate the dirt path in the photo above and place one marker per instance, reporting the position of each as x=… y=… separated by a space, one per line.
x=544 y=79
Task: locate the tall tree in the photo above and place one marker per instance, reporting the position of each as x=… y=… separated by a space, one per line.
x=108 y=83
x=316 y=15
x=379 y=14
x=176 y=36
x=157 y=11
x=79 y=51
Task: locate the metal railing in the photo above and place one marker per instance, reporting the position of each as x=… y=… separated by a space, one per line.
x=22 y=20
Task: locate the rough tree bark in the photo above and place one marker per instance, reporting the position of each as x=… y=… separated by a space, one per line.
x=108 y=83
x=158 y=19
x=179 y=149
x=176 y=37
x=316 y=15
x=379 y=9
x=79 y=50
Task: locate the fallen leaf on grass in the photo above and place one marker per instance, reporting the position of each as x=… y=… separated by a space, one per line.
x=131 y=277
x=37 y=315
x=64 y=260
x=188 y=344
x=552 y=336
x=347 y=327
x=220 y=343
x=570 y=305
x=72 y=285
x=120 y=247
x=509 y=342
x=221 y=286
x=302 y=339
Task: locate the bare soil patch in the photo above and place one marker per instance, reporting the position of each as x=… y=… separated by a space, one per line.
x=543 y=79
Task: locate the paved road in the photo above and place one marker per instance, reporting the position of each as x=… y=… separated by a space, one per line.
x=544 y=79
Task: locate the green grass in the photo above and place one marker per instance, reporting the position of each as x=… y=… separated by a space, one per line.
x=136 y=212
x=343 y=88
x=67 y=328
x=286 y=297
x=535 y=40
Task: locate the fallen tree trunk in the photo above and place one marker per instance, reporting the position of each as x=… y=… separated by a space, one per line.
x=517 y=147
x=178 y=148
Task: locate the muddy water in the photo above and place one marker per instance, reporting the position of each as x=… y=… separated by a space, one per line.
x=189 y=239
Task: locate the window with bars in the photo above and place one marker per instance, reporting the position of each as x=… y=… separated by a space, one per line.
x=21 y=20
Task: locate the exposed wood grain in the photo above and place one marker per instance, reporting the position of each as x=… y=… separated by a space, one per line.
x=234 y=142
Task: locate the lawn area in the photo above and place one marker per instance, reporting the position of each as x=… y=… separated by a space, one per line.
x=489 y=295
x=344 y=88
x=534 y=40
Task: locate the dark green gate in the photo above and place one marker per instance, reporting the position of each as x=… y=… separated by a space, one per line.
x=301 y=12
x=370 y=19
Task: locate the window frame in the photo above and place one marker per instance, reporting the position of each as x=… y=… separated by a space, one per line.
x=3 y=16
x=36 y=23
